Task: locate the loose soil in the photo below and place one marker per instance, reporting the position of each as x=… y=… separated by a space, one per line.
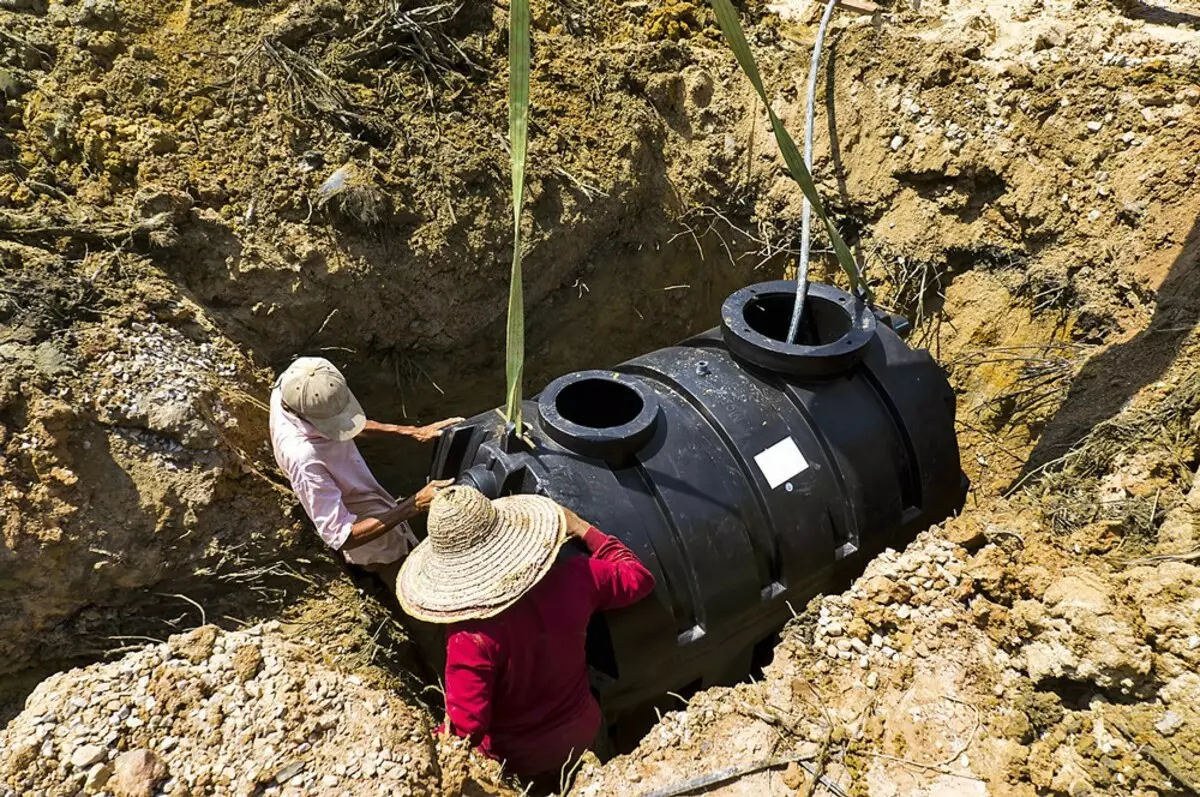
x=191 y=194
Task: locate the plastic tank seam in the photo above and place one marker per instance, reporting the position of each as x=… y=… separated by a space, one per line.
x=827 y=450
x=772 y=555
x=696 y=605
x=910 y=488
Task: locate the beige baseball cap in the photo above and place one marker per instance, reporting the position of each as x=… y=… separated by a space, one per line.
x=316 y=391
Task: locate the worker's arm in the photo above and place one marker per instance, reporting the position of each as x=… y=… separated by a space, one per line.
x=471 y=660
x=322 y=501
x=618 y=576
x=422 y=434
x=370 y=528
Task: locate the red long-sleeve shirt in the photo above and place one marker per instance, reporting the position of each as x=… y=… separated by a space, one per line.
x=517 y=683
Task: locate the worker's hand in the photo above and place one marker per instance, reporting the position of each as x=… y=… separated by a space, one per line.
x=426 y=434
x=426 y=494
x=576 y=526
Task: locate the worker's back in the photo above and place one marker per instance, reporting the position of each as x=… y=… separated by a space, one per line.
x=517 y=683
x=542 y=709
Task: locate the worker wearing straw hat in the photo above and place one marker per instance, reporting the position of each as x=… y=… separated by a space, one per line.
x=516 y=674
x=314 y=420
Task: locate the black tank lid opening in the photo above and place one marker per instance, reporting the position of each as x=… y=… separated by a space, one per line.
x=833 y=334
x=598 y=403
x=599 y=414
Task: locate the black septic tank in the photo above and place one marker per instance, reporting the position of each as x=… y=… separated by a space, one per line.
x=747 y=473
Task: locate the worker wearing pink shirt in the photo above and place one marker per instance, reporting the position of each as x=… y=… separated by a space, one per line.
x=314 y=420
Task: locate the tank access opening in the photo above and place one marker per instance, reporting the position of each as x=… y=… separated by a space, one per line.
x=834 y=331
x=824 y=320
x=600 y=414
x=598 y=403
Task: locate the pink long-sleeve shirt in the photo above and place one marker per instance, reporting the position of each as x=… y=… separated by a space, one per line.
x=517 y=683
x=335 y=487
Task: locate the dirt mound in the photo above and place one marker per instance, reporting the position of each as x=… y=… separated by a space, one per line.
x=129 y=456
x=210 y=712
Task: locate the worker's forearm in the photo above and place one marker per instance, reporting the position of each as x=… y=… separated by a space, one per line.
x=374 y=429
x=372 y=528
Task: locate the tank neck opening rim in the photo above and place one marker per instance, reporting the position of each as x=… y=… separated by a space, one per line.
x=859 y=321
x=568 y=433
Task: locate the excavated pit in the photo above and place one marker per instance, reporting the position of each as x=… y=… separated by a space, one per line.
x=1018 y=179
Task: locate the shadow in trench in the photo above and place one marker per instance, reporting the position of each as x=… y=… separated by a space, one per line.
x=1148 y=12
x=1111 y=379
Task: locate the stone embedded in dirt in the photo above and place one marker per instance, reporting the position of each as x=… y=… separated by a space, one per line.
x=98 y=777
x=160 y=141
x=87 y=755
x=1180 y=531
x=97 y=12
x=883 y=590
x=1082 y=632
x=151 y=200
x=1170 y=723
x=137 y=773
x=1193 y=496
x=793 y=776
x=1167 y=595
x=246 y=662
x=196 y=645
x=49 y=359
x=1049 y=36
x=179 y=420
x=103 y=43
x=967 y=534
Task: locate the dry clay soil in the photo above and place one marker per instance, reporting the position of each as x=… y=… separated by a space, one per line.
x=193 y=193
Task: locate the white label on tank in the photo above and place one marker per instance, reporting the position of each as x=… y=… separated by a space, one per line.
x=781 y=462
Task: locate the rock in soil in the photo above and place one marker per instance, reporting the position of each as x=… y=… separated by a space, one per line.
x=137 y=773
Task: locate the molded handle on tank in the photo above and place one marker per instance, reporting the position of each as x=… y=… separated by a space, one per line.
x=599 y=414
x=893 y=321
x=833 y=334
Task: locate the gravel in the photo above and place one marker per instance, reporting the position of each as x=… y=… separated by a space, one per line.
x=901 y=585
x=159 y=390
x=179 y=718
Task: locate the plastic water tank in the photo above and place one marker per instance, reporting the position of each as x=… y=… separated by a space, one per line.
x=748 y=474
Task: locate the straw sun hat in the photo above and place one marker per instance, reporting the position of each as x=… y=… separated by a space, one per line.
x=480 y=556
